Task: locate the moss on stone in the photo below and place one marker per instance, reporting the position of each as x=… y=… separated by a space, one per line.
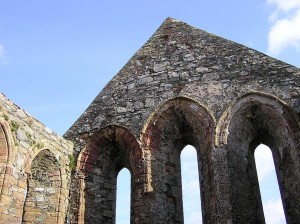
x=14 y=126
x=5 y=116
x=72 y=163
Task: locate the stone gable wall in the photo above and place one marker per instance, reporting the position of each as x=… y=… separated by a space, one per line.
x=187 y=86
x=180 y=60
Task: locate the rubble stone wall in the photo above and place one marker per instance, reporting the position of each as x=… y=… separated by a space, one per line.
x=34 y=165
x=187 y=86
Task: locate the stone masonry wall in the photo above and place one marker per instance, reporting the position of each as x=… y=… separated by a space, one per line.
x=180 y=60
x=183 y=87
x=187 y=86
x=34 y=165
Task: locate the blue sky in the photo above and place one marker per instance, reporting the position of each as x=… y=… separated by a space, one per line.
x=56 y=56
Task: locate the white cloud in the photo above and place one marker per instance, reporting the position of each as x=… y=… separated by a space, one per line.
x=264 y=162
x=194 y=218
x=189 y=171
x=272 y=205
x=283 y=34
x=189 y=152
x=274 y=212
x=190 y=185
x=123 y=197
x=285 y=4
x=284 y=31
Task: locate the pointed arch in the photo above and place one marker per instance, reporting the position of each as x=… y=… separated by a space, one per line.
x=222 y=129
x=7 y=181
x=173 y=125
x=4 y=155
x=253 y=119
x=44 y=184
x=107 y=152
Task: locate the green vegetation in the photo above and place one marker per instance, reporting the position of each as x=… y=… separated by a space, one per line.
x=28 y=134
x=72 y=164
x=5 y=116
x=33 y=143
x=14 y=126
x=40 y=145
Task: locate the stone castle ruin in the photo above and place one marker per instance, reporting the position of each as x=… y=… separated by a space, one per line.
x=184 y=86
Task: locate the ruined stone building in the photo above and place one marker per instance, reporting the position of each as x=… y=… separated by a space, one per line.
x=184 y=86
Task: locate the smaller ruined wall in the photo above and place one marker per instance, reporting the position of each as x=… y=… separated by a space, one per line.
x=28 y=151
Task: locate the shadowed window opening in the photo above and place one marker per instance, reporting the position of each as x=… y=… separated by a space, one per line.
x=123 y=197
x=268 y=185
x=190 y=186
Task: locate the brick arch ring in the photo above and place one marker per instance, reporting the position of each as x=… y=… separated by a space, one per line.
x=6 y=152
x=252 y=119
x=195 y=124
x=163 y=113
x=222 y=128
x=112 y=133
x=106 y=153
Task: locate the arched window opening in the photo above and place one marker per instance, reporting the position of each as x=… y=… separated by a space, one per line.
x=43 y=190
x=268 y=185
x=190 y=186
x=123 y=197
